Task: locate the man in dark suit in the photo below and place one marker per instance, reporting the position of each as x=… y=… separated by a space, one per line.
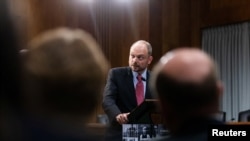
x=120 y=91
x=189 y=90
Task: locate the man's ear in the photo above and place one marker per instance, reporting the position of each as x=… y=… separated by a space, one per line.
x=150 y=59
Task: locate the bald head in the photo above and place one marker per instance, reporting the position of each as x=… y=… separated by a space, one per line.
x=187 y=65
x=142 y=44
x=185 y=79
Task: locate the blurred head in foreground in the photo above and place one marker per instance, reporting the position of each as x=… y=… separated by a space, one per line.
x=186 y=82
x=10 y=75
x=65 y=73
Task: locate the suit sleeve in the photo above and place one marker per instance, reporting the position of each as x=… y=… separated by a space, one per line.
x=109 y=97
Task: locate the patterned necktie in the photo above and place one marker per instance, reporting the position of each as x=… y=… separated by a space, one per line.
x=139 y=90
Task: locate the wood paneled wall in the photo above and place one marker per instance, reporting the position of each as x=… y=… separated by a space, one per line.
x=222 y=12
x=116 y=24
x=181 y=23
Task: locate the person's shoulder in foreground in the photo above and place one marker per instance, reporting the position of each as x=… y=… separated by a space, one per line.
x=186 y=82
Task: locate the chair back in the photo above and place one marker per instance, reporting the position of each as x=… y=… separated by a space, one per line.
x=244 y=116
x=221 y=115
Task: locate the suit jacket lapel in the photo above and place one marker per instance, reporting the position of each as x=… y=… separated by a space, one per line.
x=130 y=82
x=148 y=93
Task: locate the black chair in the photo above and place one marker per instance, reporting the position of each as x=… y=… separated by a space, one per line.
x=221 y=115
x=244 y=116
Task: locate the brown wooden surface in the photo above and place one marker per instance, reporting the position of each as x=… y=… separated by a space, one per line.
x=96 y=128
x=238 y=123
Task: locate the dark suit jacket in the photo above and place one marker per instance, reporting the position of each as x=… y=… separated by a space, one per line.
x=196 y=129
x=119 y=95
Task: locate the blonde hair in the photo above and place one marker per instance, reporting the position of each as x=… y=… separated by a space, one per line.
x=66 y=70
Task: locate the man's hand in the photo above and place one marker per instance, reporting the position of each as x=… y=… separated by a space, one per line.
x=122 y=118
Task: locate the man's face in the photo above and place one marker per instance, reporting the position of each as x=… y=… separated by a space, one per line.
x=139 y=59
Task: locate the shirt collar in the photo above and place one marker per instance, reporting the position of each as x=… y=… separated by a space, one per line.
x=144 y=74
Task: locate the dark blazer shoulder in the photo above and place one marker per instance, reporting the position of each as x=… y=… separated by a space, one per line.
x=121 y=70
